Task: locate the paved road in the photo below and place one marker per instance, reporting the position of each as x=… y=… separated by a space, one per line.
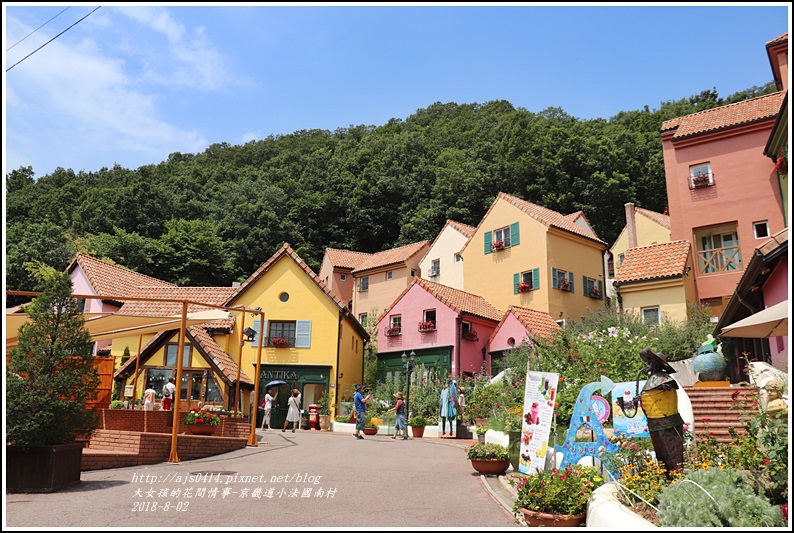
x=303 y=479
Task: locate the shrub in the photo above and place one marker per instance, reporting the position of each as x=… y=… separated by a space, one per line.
x=716 y=497
x=487 y=451
x=417 y=421
x=563 y=492
x=117 y=404
x=50 y=373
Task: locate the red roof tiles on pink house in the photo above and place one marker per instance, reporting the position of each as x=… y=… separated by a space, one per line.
x=518 y=326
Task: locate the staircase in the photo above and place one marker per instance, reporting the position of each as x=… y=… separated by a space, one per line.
x=716 y=410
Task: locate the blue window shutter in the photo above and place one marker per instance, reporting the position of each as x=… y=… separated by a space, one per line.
x=255 y=326
x=570 y=280
x=514 y=237
x=554 y=283
x=516 y=281
x=488 y=236
x=601 y=289
x=535 y=278
x=303 y=334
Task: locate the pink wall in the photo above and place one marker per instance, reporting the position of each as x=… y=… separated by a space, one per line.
x=745 y=191
x=511 y=327
x=775 y=291
x=81 y=285
x=472 y=353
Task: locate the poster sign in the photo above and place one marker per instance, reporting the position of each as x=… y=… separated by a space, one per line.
x=624 y=426
x=128 y=390
x=539 y=396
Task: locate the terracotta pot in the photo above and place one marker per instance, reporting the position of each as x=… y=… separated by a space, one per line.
x=201 y=429
x=417 y=431
x=370 y=431
x=325 y=422
x=535 y=519
x=490 y=467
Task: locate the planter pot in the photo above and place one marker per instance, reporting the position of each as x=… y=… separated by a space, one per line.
x=370 y=431
x=536 y=519
x=201 y=429
x=490 y=467
x=325 y=422
x=43 y=468
x=417 y=431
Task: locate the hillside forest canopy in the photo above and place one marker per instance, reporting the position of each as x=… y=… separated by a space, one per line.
x=212 y=218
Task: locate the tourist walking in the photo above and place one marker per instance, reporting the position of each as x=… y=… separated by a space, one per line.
x=360 y=401
x=293 y=411
x=168 y=394
x=399 y=411
x=149 y=398
x=267 y=405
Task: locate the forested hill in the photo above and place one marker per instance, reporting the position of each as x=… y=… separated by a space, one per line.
x=214 y=217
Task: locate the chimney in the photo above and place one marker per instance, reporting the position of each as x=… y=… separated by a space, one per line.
x=631 y=227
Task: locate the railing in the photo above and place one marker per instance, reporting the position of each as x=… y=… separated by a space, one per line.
x=728 y=259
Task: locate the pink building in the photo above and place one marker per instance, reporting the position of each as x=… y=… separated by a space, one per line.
x=448 y=330
x=519 y=325
x=723 y=192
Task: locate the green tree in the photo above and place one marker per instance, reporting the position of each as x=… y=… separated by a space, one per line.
x=50 y=375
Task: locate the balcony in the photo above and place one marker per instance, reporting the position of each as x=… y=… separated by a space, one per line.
x=425 y=327
x=393 y=331
x=727 y=259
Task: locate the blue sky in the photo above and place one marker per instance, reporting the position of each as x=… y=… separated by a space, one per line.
x=131 y=84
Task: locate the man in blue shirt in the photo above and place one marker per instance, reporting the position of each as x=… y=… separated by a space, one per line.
x=360 y=401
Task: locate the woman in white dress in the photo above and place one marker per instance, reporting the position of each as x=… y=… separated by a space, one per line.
x=293 y=410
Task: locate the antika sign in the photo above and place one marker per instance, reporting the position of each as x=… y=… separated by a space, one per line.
x=280 y=374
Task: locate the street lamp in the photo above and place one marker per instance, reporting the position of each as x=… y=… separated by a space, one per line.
x=408 y=363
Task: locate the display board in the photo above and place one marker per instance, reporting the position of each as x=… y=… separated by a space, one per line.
x=539 y=396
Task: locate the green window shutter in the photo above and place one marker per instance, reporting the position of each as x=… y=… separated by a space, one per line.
x=514 y=237
x=570 y=280
x=584 y=285
x=601 y=289
x=516 y=281
x=554 y=283
x=303 y=334
x=535 y=278
x=259 y=331
x=488 y=236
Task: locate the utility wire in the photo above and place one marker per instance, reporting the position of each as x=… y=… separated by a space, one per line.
x=48 y=42
x=37 y=29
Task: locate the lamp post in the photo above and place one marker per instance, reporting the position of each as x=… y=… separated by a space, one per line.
x=408 y=363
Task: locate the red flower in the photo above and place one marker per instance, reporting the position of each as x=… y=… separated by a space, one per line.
x=735 y=395
x=598 y=362
x=766 y=461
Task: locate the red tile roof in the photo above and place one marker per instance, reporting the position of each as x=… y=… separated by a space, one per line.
x=659 y=218
x=214 y=296
x=108 y=279
x=392 y=257
x=463 y=229
x=732 y=115
x=460 y=301
x=548 y=217
x=777 y=40
x=657 y=261
x=345 y=258
x=538 y=323
x=777 y=240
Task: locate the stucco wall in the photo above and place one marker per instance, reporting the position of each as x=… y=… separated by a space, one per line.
x=449 y=242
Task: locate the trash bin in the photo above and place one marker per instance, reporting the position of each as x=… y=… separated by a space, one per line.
x=314 y=416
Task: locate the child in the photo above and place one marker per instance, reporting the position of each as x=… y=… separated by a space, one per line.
x=399 y=410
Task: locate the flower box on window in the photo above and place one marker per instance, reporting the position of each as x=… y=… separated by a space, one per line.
x=393 y=331
x=701 y=180
x=278 y=342
x=427 y=326
x=498 y=245
x=524 y=287
x=470 y=335
x=781 y=165
x=564 y=286
x=595 y=293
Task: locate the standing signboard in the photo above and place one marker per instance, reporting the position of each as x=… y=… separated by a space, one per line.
x=539 y=396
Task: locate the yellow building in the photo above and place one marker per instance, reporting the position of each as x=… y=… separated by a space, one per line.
x=526 y=255
x=643 y=228
x=655 y=282
x=310 y=341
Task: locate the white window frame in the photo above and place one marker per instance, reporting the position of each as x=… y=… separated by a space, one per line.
x=363 y=285
x=342 y=277
x=362 y=319
x=435 y=268
x=592 y=285
x=658 y=315
x=396 y=321
x=505 y=236
x=388 y=275
x=765 y=225
x=526 y=277
x=562 y=277
x=700 y=169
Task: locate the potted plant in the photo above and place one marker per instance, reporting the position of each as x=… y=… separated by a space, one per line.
x=565 y=285
x=202 y=421
x=417 y=423
x=524 y=287
x=279 y=342
x=556 y=497
x=488 y=458
x=427 y=326
x=595 y=293
x=481 y=431
x=701 y=180
x=325 y=411
x=370 y=428
x=392 y=331
x=470 y=335
x=49 y=377
x=498 y=245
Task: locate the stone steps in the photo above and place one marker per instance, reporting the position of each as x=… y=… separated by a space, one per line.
x=717 y=410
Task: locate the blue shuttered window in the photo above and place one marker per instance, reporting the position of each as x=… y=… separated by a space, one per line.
x=259 y=331
x=514 y=237
x=488 y=236
x=303 y=333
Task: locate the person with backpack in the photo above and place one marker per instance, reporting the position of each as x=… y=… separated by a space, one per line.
x=168 y=394
x=399 y=410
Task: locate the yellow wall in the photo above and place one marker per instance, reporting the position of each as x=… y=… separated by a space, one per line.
x=583 y=258
x=669 y=295
x=648 y=232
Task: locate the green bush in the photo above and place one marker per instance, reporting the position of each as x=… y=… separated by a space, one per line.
x=716 y=497
x=417 y=421
x=50 y=373
x=117 y=404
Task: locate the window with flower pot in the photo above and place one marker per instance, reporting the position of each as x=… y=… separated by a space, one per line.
x=363 y=284
x=282 y=334
x=592 y=288
x=429 y=320
x=562 y=280
x=467 y=332
x=395 y=326
x=526 y=281
x=501 y=238
x=700 y=176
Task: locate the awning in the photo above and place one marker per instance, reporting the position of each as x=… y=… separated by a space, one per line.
x=770 y=322
x=104 y=326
